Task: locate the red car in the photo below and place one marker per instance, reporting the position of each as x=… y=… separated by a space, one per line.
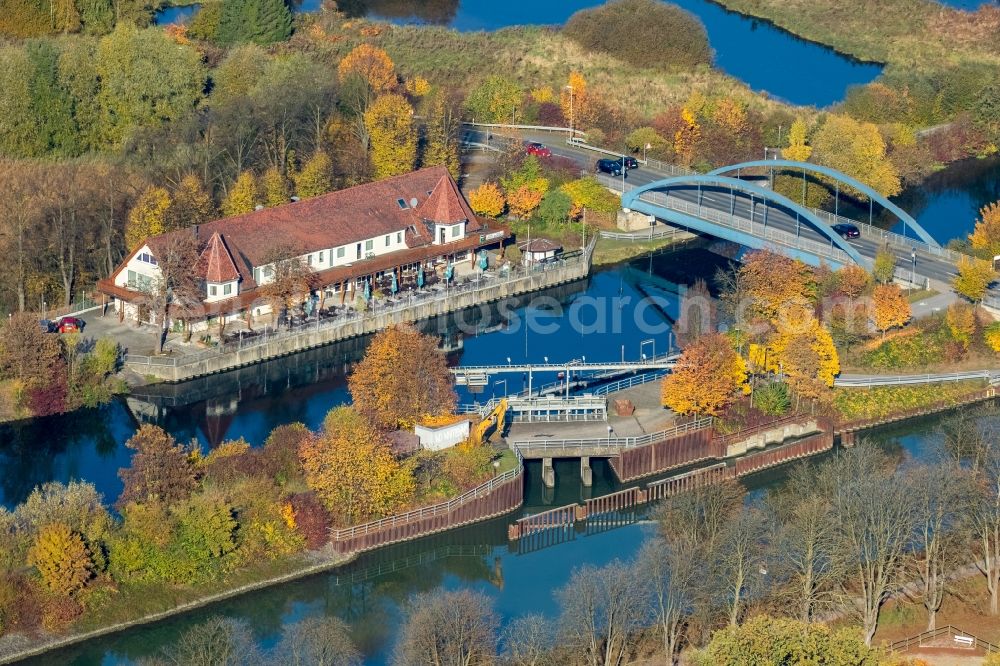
x=68 y=325
x=537 y=149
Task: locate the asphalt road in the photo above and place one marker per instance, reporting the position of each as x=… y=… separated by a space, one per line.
x=926 y=265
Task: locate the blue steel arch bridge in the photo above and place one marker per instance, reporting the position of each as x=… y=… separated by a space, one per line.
x=735 y=203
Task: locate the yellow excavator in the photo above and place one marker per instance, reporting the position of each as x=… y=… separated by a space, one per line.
x=493 y=422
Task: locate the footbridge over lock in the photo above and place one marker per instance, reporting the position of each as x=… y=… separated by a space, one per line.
x=726 y=204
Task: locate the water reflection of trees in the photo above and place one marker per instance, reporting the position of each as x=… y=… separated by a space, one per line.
x=438 y=12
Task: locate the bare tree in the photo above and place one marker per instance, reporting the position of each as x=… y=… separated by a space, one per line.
x=943 y=493
x=218 y=642
x=805 y=543
x=874 y=512
x=738 y=559
x=602 y=609
x=291 y=281
x=177 y=285
x=317 y=641
x=528 y=641
x=20 y=218
x=447 y=628
x=671 y=571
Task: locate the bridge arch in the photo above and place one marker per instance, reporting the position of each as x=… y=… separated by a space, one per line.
x=840 y=177
x=632 y=200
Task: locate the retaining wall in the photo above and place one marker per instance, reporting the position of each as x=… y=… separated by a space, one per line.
x=688 y=448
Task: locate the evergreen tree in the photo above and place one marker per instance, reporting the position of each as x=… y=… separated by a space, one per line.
x=257 y=21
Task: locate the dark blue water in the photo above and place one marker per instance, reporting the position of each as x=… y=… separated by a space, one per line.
x=597 y=319
x=478 y=557
x=947 y=203
x=767 y=58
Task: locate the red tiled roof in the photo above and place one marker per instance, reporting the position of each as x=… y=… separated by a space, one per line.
x=216 y=263
x=444 y=205
x=338 y=218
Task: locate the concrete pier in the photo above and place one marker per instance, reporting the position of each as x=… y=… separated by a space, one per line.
x=586 y=474
x=548 y=473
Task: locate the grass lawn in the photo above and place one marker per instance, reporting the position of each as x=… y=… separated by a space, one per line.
x=508 y=461
x=616 y=251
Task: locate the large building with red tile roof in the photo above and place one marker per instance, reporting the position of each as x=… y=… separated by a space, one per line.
x=346 y=239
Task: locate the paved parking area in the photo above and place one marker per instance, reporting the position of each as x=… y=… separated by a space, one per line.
x=135 y=339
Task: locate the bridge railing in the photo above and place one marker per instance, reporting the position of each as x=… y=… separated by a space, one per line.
x=611 y=443
x=533 y=128
x=442 y=509
x=904 y=380
x=820 y=249
x=871 y=231
x=628 y=383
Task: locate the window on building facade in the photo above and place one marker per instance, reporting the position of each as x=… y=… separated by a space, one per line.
x=321 y=257
x=369 y=245
x=147 y=258
x=456 y=230
x=227 y=289
x=341 y=252
x=212 y=290
x=399 y=236
x=388 y=240
x=309 y=260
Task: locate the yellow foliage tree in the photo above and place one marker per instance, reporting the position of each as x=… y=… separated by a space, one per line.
x=418 y=86
x=274 y=188
x=543 y=94
x=350 y=467
x=857 y=149
x=372 y=64
x=706 y=377
x=686 y=138
x=190 y=204
x=797 y=148
x=402 y=378
x=731 y=116
x=986 y=235
x=62 y=559
x=148 y=217
x=487 y=200
x=974 y=278
x=852 y=280
x=316 y=176
x=242 y=196
x=890 y=308
x=805 y=354
x=389 y=121
x=961 y=321
x=992 y=336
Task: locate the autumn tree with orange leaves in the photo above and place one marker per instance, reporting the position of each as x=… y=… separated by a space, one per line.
x=706 y=377
x=372 y=65
x=773 y=281
x=889 y=307
x=403 y=377
x=351 y=468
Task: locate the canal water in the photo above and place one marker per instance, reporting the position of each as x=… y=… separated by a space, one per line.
x=369 y=593
x=767 y=58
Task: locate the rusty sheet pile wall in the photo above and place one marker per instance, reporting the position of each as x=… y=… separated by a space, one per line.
x=685 y=449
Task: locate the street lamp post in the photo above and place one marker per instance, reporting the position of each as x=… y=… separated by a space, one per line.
x=913 y=266
x=572 y=123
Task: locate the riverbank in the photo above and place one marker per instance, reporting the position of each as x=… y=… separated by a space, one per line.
x=17 y=647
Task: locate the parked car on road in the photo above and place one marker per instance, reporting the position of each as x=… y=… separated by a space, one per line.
x=46 y=325
x=537 y=149
x=847 y=231
x=630 y=162
x=614 y=167
x=68 y=325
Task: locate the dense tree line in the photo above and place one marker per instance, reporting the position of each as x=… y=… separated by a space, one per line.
x=731 y=580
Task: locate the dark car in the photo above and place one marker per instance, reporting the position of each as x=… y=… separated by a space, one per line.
x=630 y=162
x=537 y=149
x=847 y=231
x=45 y=325
x=68 y=325
x=614 y=167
